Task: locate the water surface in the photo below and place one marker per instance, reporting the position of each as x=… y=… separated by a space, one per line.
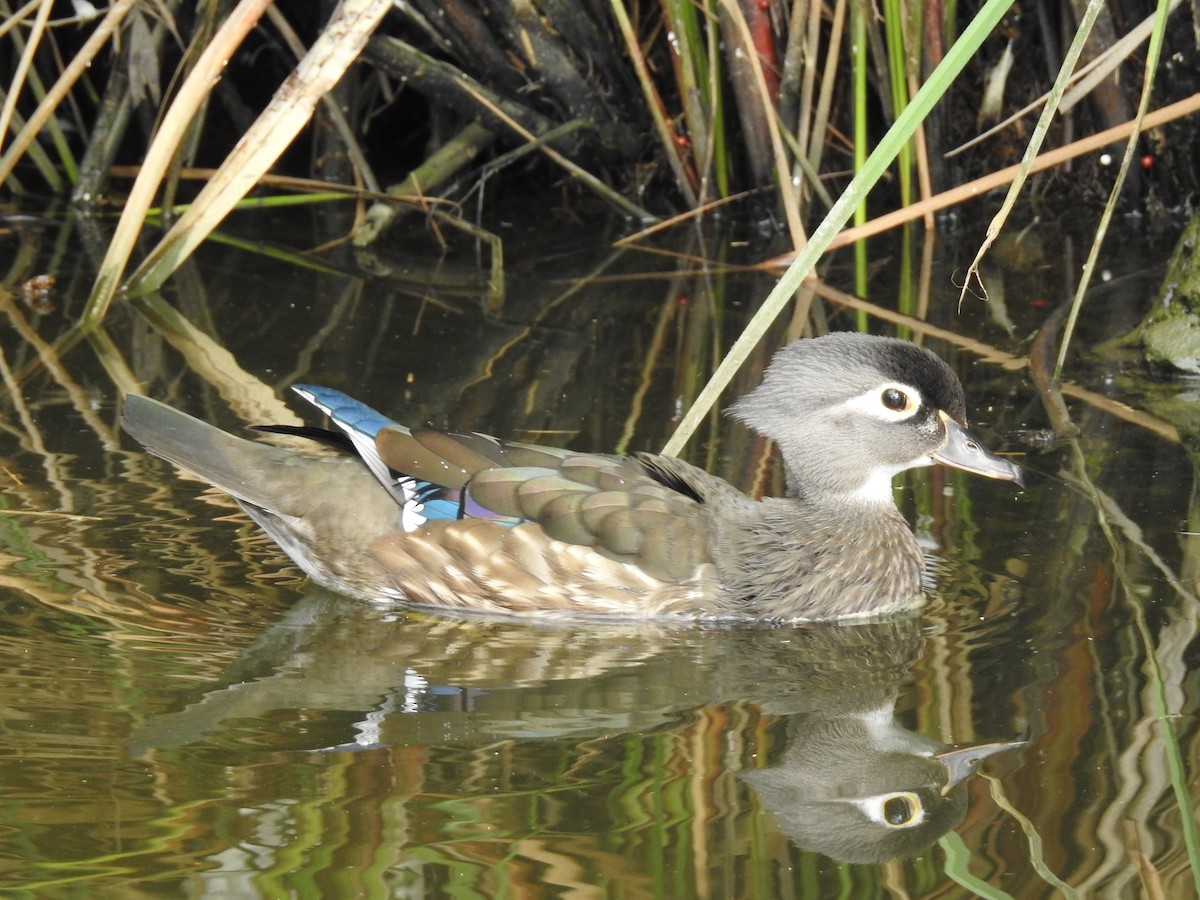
x=184 y=715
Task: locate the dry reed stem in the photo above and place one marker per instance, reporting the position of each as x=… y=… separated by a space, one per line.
x=973 y=189
x=829 y=78
x=680 y=219
x=192 y=95
x=82 y=60
x=23 y=66
x=18 y=17
x=783 y=173
x=339 y=45
x=291 y=183
x=655 y=105
x=354 y=151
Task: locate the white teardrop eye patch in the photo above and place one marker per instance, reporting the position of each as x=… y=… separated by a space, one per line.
x=891 y=401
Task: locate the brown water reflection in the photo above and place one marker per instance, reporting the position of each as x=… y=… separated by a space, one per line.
x=182 y=716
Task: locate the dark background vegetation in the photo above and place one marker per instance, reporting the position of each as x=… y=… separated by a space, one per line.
x=555 y=64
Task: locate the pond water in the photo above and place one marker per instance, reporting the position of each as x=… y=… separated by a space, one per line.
x=184 y=715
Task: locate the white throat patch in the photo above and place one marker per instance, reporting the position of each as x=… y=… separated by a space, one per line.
x=877 y=489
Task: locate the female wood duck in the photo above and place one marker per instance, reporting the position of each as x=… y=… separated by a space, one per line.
x=472 y=523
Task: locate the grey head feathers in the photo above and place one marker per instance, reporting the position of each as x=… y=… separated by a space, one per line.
x=849 y=411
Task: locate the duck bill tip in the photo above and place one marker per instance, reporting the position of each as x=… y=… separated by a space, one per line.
x=961 y=762
x=963 y=451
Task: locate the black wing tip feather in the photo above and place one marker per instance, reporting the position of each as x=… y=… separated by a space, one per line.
x=338 y=440
x=667 y=478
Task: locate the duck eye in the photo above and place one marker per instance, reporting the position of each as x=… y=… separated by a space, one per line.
x=896 y=400
x=899 y=810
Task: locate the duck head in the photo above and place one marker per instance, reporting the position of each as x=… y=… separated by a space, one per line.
x=849 y=411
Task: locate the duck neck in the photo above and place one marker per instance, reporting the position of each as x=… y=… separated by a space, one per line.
x=875 y=491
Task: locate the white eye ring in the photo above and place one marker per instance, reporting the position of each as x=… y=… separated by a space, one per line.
x=896 y=399
x=897 y=810
x=901 y=810
x=892 y=401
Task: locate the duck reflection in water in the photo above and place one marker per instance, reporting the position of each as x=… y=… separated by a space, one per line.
x=856 y=786
x=850 y=782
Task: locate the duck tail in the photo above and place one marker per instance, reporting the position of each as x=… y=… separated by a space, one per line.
x=237 y=466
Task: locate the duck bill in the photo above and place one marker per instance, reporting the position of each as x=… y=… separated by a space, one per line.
x=964 y=452
x=961 y=762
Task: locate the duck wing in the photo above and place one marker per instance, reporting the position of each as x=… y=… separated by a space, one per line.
x=646 y=511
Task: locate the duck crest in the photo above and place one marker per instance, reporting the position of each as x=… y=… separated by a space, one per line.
x=468 y=522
